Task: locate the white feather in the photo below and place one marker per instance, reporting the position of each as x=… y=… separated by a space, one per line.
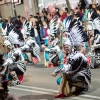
x=4 y=31
x=68 y=21
x=53 y=28
x=76 y=34
x=96 y=23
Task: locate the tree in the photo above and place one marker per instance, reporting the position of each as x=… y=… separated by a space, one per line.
x=68 y=5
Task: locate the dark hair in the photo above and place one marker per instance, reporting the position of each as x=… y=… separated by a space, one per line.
x=66 y=9
x=37 y=13
x=31 y=15
x=23 y=18
x=36 y=17
x=18 y=16
x=90 y=6
x=57 y=12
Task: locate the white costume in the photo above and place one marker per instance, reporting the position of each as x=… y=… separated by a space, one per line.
x=31 y=44
x=15 y=61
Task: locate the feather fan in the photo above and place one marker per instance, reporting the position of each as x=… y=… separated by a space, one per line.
x=53 y=28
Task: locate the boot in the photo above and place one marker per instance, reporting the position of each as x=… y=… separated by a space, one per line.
x=35 y=60
x=14 y=83
x=62 y=95
x=15 y=79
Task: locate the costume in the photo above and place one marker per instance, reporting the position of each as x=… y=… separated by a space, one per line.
x=52 y=49
x=3 y=82
x=27 y=27
x=95 y=43
x=32 y=47
x=12 y=31
x=77 y=65
x=15 y=61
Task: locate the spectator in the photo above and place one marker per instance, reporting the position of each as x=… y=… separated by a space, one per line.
x=19 y=21
x=57 y=12
x=82 y=5
x=30 y=17
x=35 y=34
x=44 y=31
x=38 y=15
x=66 y=11
x=44 y=11
x=9 y=19
x=93 y=11
x=62 y=15
x=71 y=12
x=18 y=24
x=38 y=24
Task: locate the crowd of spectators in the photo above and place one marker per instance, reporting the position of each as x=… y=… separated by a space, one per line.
x=40 y=23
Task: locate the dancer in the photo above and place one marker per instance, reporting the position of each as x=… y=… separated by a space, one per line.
x=32 y=47
x=76 y=66
x=15 y=61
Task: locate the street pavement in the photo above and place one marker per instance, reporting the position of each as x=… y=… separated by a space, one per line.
x=38 y=84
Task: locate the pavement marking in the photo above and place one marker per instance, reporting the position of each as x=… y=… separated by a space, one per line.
x=90 y=96
x=34 y=91
x=78 y=98
x=48 y=91
x=96 y=79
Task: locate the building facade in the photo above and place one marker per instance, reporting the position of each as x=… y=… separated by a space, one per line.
x=7 y=9
x=27 y=7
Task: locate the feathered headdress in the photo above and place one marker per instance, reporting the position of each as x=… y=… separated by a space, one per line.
x=76 y=34
x=15 y=36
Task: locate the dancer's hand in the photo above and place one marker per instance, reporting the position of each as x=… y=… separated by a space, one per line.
x=54 y=74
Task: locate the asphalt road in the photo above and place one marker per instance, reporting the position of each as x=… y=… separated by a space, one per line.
x=38 y=84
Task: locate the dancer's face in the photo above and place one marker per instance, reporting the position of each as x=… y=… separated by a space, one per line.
x=67 y=49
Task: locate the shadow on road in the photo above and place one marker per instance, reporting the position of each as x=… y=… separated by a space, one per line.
x=39 y=66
